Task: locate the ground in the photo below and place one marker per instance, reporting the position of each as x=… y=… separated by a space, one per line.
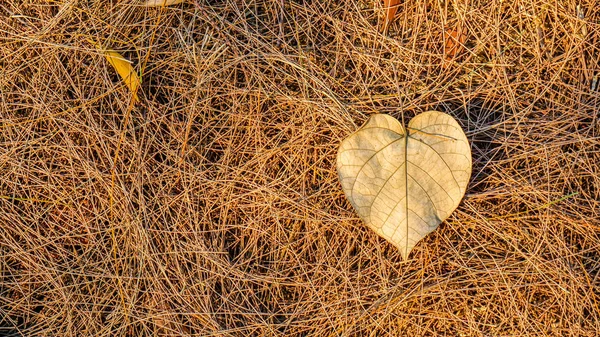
x=212 y=206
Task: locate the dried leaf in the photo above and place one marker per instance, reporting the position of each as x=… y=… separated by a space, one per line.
x=157 y=3
x=455 y=40
x=390 y=6
x=123 y=68
x=403 y=182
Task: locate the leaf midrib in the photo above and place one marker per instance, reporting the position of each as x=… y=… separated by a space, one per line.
x=406 y=134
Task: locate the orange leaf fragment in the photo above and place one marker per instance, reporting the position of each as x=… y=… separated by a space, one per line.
x=391 y=7
x=455 y=41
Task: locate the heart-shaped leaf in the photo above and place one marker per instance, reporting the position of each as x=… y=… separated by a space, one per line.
x=403 y=182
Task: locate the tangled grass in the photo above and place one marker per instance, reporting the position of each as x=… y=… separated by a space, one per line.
x=212 y=208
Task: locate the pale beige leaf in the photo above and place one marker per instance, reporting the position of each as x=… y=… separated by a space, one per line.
x=403 y=182
x=157 y=3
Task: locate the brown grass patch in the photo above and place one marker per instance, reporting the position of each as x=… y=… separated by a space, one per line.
x=213 y=207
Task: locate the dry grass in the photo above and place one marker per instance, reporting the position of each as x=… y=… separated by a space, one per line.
x=213 y=206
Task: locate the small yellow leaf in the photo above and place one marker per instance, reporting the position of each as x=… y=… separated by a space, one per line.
x=157 y=3
x=124 y=69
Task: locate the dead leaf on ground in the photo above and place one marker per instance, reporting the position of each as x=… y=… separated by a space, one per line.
x=391 y=7
x=455 y=41
x=124 y=68
x=157 y=3
x=403 y=182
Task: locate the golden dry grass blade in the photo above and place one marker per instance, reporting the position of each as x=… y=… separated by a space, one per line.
x=160 y=3
x=125 y=70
